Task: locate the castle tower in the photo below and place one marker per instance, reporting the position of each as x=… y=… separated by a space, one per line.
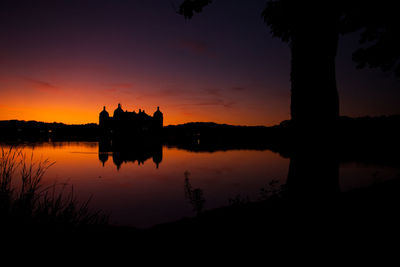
x=158 y=118
x=103 y=117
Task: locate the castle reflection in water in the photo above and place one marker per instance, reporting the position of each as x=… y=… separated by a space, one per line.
x=129 y=152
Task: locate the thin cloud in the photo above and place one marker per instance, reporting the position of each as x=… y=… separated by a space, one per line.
x=197 y=47
x=238 y=88
x=163 y=93
x=213 y=91
x=42 y=85
x=120 y=88
x=111 y=90
x=229 y=104
x=170 y=92
x=121 y=85
x=209 y=102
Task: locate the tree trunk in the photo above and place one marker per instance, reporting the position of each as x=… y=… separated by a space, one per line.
x=314 y=95
x=314 y=165
x=314 y=174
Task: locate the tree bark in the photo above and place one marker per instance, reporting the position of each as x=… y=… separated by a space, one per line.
x=314 y=94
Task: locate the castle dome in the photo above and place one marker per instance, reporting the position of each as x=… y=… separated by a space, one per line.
x=158 y=113
x=118 y=111
x=104 y=112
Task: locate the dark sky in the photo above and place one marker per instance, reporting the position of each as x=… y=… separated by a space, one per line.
x=62 y=60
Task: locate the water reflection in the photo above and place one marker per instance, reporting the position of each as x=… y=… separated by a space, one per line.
x=130 y=152
x=141 y=195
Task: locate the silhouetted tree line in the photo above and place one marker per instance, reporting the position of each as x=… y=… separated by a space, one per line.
x=363 y=135
x=15 y=130
x=210 y=137
x=365 y=139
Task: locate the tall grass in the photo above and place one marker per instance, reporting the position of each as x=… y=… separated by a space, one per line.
x=25 y=200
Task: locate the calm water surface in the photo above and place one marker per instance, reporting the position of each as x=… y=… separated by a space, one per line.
x=138 y=193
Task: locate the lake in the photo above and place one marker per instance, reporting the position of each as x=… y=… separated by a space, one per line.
x=141 y=190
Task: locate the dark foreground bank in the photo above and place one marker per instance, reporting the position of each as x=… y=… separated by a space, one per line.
x=365 y=217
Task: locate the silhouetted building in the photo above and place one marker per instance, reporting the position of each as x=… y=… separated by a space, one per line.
x=126 y=123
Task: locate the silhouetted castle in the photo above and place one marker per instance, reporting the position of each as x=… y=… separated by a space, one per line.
x=126 y=123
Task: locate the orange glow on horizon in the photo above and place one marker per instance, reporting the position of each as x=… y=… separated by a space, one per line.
x=80 y=102
x=70 y=115
x=70 y=112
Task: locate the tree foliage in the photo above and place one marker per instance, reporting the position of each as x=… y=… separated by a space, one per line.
x=377 y=22
x=188 y=7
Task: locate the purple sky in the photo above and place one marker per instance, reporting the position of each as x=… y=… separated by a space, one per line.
x=62 y=60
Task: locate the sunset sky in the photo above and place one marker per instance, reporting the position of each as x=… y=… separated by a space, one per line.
x=63 y=60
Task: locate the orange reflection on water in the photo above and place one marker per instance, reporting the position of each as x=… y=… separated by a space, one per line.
x=142 y=195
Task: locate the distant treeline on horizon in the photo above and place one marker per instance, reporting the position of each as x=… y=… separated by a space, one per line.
x=14 y=130
x=61 y=124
